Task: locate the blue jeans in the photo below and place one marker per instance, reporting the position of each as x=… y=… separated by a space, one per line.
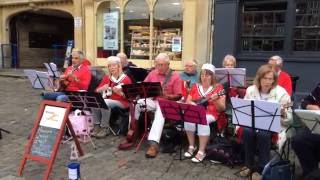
x=55 y=96
x=256 y=141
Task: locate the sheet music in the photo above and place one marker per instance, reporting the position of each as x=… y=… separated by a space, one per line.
x=267 y=114
x=32 y=76
x=311 y=118
x=237 y=76
x=52 y=69
x=46 y=81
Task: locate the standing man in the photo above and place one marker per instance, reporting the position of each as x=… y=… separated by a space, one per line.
x=172 y=90
x=284 y=79
x=76 y=77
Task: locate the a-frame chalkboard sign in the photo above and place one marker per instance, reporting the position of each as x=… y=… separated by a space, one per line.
x=46 y=135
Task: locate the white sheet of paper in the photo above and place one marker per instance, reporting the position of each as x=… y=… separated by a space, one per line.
x=53 y=116
x=45 y=79
x=237 y=76
x=52 y=69
x=267 y=114
x=32 y=76
x=311 y=118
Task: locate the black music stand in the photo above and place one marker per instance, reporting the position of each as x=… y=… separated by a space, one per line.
x=85 y=100
x=235 y=77
x=182 y=112
x=311 y=118
x=257 y=115
x=142 y=90
x=38 y=79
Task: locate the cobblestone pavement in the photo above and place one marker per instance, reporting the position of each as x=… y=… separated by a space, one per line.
x=18 y=109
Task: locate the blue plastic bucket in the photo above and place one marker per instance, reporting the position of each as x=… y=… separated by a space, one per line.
x=74 y=171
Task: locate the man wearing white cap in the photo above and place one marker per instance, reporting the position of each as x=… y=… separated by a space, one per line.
x=207 y=89
x=111 y=89
x=172 y=90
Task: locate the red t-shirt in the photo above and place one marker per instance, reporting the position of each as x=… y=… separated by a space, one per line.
x=123 y=79
x=83 y=73
x=284 y=80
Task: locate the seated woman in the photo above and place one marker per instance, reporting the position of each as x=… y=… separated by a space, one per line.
x=264 y=88
x=209 y=89
x=229 y=61
x=111 y=90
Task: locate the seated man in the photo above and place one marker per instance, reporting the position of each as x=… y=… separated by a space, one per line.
x=171 y=85
x=307 y=145
x=189 y=77
x=76 y=77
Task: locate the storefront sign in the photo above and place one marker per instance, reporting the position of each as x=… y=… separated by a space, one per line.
x=110 y=30
x=176 y=44
x=77 y=22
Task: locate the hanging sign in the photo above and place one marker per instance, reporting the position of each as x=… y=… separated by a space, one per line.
x=110 y=30
x=176 y=44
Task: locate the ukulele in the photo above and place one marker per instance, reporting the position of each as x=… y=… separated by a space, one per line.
x=203 y=101
x=64 y=83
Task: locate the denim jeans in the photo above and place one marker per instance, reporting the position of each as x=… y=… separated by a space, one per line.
x=256 y=142
x=55 y=96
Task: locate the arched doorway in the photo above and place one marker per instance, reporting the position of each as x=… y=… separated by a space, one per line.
x=40 y=36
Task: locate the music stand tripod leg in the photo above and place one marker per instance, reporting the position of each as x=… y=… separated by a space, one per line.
x=8 y=132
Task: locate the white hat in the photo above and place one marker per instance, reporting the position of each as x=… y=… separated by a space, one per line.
x=209 y=67
x=113 y=60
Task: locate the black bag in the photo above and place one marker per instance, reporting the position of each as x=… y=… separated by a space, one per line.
x=278 y=169
x=222 y=151
x=169 y=140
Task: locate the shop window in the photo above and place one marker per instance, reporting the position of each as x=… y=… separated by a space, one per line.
x=137 y=29
x=108 y=29
x=307 y=27
x=168 y=25
x=263 y=27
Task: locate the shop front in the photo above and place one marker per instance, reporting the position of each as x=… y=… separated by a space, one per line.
x=254 y=30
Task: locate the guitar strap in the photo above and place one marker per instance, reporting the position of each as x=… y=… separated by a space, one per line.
x=167 y=78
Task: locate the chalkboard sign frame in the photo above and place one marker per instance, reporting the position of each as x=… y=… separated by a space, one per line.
x=61 y=111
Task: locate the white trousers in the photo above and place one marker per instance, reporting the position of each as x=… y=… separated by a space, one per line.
x=158 y=121
x=203 y=130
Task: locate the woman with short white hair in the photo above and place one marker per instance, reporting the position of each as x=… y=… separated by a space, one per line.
x=111 y=89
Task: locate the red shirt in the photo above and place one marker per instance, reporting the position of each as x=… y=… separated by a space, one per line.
x=284 y=80
x=196 y=93
x=173 y=86
x=83 y=73
x=123 y=79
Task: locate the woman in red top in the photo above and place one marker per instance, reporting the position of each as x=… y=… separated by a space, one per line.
x=207 y=88
x=111 y=89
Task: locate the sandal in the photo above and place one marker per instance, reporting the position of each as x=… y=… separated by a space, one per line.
x=199 y=157
x=189 y=153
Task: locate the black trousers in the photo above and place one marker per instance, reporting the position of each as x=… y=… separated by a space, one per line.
x=307 y=148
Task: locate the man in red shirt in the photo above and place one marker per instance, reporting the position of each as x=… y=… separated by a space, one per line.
x=284 y=79
x=172 y=89
x=76 y=77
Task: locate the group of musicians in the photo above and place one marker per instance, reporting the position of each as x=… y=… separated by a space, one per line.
x=271 y=83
